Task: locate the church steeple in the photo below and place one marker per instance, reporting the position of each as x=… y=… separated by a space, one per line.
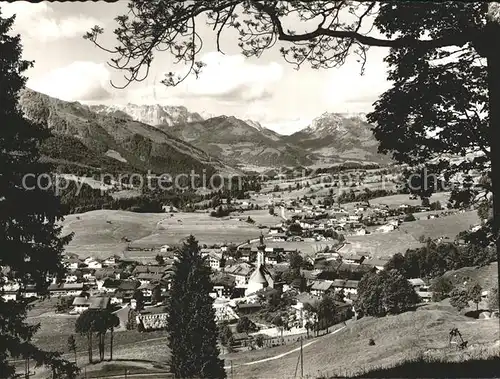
x=261 y=258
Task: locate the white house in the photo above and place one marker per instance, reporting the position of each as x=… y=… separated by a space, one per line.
x=81 y=304
x=320 y=287
x=386 y=228
x=70 y=278
x=214 y=261
x=276 y=230
x=112 y=260
x=153 y=318
x=72 y=263
x=30 y=292
x=9 y=295
x=93 y=263
x=241 y=273
x=88 y=277
x=348 y=286
x=279 y=237
x=301 y=315
x=360 y=232
x=66 y=289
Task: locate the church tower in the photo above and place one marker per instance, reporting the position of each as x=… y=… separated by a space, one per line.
x=261 y=252
x=260 y=278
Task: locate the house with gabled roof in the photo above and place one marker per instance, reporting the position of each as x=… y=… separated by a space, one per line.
x=82 y=303
x=241 y=272
x=149 y=277
x=112 y=260
x=72 y=262
x=320 y=287
x=66 y=289
x=347 y=286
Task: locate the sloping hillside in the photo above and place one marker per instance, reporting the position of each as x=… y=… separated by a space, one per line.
x=238 y=142
x=486 y=276
x=94 y=135
x=347 y=352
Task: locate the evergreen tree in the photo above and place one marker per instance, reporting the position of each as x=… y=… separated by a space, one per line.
x=191 y=318
x=30 y=242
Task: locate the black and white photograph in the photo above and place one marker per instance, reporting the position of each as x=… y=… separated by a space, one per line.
x=249 y=189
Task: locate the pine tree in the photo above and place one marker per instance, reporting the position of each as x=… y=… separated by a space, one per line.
x=191 y=317
x=30 y=242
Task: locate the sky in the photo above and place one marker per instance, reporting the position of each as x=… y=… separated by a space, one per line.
x=268 y=89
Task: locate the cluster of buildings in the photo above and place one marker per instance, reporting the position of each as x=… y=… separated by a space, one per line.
x=240 y=277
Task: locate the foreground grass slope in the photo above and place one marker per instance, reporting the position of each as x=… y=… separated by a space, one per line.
x=397 y=339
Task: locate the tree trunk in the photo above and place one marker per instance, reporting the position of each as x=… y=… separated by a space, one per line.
x=89 y=338
x=111 y=344
x=493 y=59
x=101 y=346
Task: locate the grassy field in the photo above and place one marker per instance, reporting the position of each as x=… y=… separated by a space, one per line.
x=99 y=233
x=56 y=328
x=397 y=200
x=380 y=244
x=486 y=276
x=447 y=226
x=207 y=230
x=261 y=217
x=397 y=338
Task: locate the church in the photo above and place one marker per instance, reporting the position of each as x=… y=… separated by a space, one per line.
x=261 y=278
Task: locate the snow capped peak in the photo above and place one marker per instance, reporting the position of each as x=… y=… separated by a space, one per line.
x=330 y=122
x=255 y=124
x=327 y=123
x=154 y=114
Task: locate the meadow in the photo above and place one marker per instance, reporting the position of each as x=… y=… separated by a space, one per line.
x=100 y=233
x=380 y=245
x=397 y=338
x=446 y=226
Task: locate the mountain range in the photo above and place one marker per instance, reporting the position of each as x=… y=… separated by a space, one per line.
x=83 y=140
x=171 y=139
x=330 y=138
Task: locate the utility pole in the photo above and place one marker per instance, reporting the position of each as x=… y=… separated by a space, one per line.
x=232 y=377
x=27 y=368
x=301 y=359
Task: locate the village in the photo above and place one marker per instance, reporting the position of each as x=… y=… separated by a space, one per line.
x=248 y=276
